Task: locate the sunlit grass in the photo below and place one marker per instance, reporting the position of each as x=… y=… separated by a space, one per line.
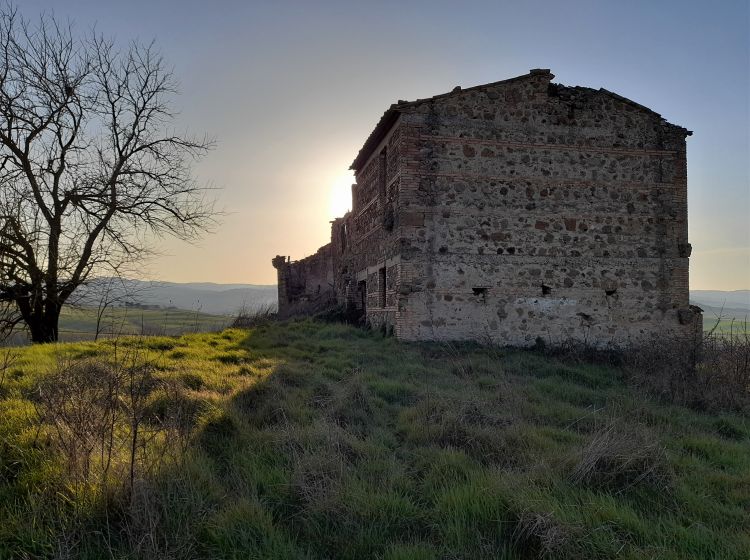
x=324 y=441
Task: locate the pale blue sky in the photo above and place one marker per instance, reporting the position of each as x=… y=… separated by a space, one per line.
x=292 y=89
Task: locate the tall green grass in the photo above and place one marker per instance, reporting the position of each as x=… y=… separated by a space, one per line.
x=313 y=440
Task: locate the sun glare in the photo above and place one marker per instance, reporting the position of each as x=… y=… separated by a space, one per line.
x=341 y=194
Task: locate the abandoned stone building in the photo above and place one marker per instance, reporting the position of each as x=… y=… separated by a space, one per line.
x=507 y=212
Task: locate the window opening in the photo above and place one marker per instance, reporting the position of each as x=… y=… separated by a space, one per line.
x=362 y=292
x=382 y=286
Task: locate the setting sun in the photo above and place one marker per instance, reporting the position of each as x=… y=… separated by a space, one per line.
x=340 y=195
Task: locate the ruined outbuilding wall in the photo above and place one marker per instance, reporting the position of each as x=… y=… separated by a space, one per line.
x=306 y=284
x=549 y=212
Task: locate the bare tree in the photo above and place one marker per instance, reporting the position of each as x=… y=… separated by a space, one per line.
x=100 y=295
x=111 y=293
x=89 y=166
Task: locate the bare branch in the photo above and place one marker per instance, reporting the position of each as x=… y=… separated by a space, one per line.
x=89 y=163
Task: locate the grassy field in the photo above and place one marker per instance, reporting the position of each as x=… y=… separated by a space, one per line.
x=309 y=440
x=79 y=323
x=726 y=326
x=726 y=320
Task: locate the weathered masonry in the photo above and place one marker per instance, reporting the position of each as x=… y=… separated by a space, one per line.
x=511 y=211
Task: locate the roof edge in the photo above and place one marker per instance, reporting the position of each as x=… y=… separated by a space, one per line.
x=637 y=105
x=391 y=114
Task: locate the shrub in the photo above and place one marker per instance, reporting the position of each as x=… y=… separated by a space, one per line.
x=79 y=403
x=340 y=314
x=248 y=318
x=709 y=371
x=101 y=419
x=575 y=351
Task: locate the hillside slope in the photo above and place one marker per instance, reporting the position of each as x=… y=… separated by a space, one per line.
x=205 y=297
x=305 y=440
x=737 y=299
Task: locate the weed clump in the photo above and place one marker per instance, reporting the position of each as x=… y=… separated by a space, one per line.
x=267 y=403
x=248 y=318
x=321 y=456
x=619 y=458
x=545 y=535
x=218 y=437
x=192 y=381
x=709 y=371
x=730 y=430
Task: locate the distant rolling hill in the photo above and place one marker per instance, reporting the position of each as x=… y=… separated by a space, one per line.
x=205 y=297
x=724 y=311
x=734 y=300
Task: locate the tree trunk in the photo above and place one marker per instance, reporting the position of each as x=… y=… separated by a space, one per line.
x=43 y=328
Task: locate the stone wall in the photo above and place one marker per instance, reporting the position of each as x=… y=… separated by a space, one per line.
x=548 y=212
x=306 y=285
x=374 y=254
x=515 y=211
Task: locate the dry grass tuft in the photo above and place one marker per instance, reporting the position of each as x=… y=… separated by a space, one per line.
x=545 y=535
x=619 y=458
x=248 y=318
x=321 y=455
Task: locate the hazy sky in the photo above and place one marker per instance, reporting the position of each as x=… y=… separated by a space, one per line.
x=292 y=89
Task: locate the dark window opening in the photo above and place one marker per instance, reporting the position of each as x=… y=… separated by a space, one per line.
x=546 y=290
x=342 y=233
x=362 y=293
x=480 y=292
x=381 y=286
x=389 y=219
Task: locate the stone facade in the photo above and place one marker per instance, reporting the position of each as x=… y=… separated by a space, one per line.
x=511 y=211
